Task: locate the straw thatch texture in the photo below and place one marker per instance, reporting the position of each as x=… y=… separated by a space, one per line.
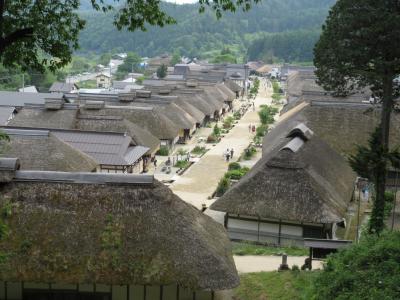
x=147 y=118
x=117 y=124
x=342 y=125
x=111 y=234
x=199 y=102
x=197 y=114
x=42 y=118
x=177 y=115
x=313 y=184
x=47 y=153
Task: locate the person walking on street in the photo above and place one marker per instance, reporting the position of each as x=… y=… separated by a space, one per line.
x=253 y=129
x=232 y=153
x=227 y=155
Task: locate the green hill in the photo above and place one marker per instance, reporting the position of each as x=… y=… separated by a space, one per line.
x=265 y=30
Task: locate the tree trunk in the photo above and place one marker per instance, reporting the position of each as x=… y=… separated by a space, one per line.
x=377 y=216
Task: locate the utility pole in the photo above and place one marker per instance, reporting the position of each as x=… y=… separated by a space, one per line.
x=395 y=199
x=23 y=82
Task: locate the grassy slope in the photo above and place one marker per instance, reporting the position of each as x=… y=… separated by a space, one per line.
x=251 y=249
x=289 y=285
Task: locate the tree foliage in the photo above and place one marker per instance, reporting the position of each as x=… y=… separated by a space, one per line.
x=162 y=71
x=368 y=270
x=202 y=35
x=43 y=34
x=360 y=47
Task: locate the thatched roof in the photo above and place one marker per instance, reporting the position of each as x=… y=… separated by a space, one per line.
x=177 y=115
x=342 y=125
x=109 y=229
x=41 y=150
x=118 y=124
x=197 y=114
x=147 y=118
x=199 y=102
x=292 y=183
x=43 y=118
x=226 y=90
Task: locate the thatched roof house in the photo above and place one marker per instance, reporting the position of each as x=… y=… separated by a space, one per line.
x=292 y=191
x=342 y=125
x=119 y=234
x=86 y=117
x=42 y=150
x=86 y=121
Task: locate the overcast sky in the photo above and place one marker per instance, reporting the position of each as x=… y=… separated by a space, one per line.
x=181 y=1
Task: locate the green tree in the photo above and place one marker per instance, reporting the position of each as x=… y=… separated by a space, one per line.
x=43 y=34
x=358 y=48
x=162 y=71
x=368 y=270
x=176 y=58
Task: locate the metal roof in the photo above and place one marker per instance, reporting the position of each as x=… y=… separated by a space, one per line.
x=105 y=148
x=326 y=244
x=18 y=99
x=78 y=177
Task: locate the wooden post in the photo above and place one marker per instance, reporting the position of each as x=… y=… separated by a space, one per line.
x=177 y=292
x=127 y=292
x=161 y=292
x=5 y=290
x=310 y=258
x=144 y=292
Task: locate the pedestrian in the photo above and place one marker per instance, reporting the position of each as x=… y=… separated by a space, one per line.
x=253 y=129
x=227 y=156
x=232 y=153
x=155 y=163
x=249 y=127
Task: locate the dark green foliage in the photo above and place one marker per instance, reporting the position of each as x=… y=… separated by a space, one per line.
x=236 y=174
x=234 y=166
x=216 y=131
x=176 y=58
x=162 y=71
x=203 y=35
x=223 y=186
x=249 y=153
x=182 y=164
x=359 y=47
x=163 y=151
x=199 y=150
x=261 y=130
x=228 y=122
x=368 y=270
x=224 y=58
x=290 y=46
x=131 y=64
x=267 y=114
x=372 y=162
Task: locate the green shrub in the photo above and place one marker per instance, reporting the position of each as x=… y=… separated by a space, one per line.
x=368 y=270
x=182 y=152
x=199 y=150
x=163 y=151
x=267 y=114
x=249 y=153
x=237 y=115
x=181 y=164
x=234 y=166
x=295 y=268
x=261 y=130
x=216 y=131
x=223 y=186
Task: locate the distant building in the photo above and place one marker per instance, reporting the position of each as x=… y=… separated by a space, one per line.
x=63 y=87
x=28 y=89
x=103 y=80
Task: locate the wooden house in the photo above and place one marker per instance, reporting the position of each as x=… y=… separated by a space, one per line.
x=299 y=189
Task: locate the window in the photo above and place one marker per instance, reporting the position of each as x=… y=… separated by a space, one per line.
x=63 y=295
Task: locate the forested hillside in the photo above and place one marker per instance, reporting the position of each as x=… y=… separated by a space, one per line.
x=285 y=30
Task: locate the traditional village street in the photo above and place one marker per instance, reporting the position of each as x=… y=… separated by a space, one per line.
x=199 y=182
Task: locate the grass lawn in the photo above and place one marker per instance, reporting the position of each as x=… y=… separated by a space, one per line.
x=252 y=249
x=288 y=285
x=88 y=84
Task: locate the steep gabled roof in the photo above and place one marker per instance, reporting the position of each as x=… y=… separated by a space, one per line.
x=42 y=150
x=109 y=229
x=298 y=179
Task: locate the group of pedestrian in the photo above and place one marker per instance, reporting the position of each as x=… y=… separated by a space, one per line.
x=252 y=128
x=228 y=154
